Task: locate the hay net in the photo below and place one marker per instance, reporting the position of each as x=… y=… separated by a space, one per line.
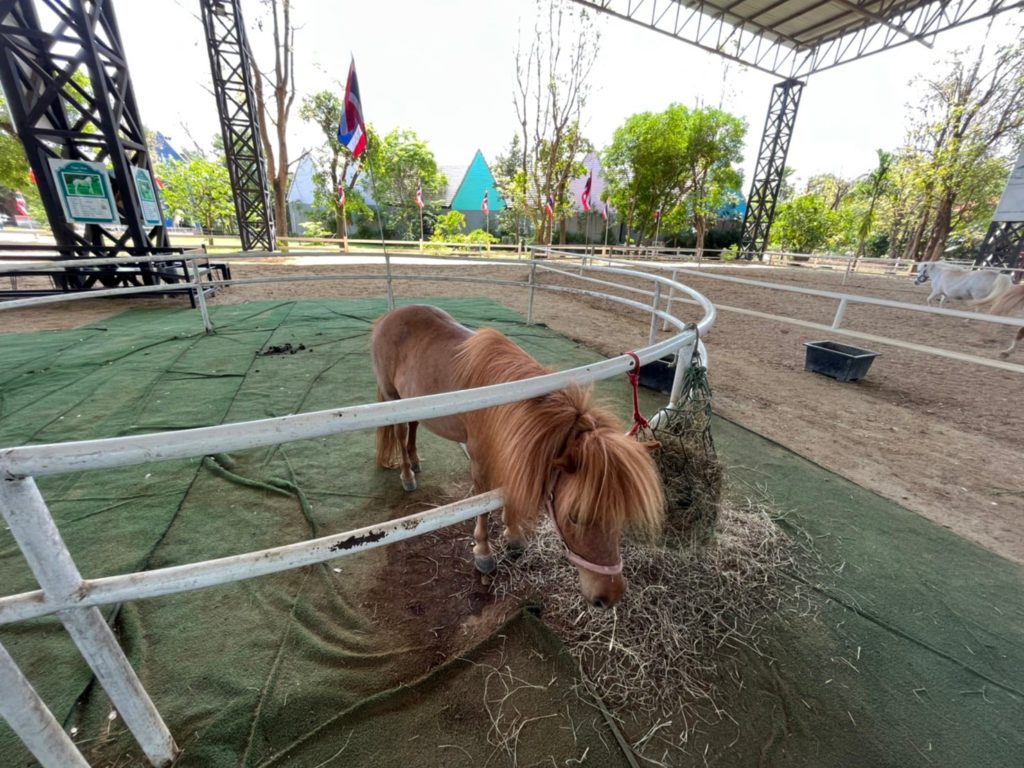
x=687 y=461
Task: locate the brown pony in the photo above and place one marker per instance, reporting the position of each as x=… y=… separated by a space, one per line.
x=558 y=451
x=1004 y=304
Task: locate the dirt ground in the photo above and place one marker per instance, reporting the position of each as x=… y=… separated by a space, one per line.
x=941 y=437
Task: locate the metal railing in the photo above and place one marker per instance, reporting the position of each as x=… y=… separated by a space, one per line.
x=76 y=600
x=844 y=301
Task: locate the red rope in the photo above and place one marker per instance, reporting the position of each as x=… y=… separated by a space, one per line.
x=639 y=422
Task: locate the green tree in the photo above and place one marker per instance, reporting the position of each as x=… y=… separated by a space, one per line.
x=402 y=163
x=449 y=227
x=334 y=161
x=643 y=165
x=198 y=190
x=511 y=183
x=875 y=183
x=679 y=161
x=714 y=142
x=803 y=224
x=968 y=117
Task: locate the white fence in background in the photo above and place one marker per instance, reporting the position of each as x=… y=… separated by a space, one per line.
x=844 y=301
x=76 y=599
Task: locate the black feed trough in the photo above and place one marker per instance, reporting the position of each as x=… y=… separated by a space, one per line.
x=658 y=375
x=838 y=361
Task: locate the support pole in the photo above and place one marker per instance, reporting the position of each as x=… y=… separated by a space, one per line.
x=770 y=168
x=32 y=722
x=33 y=528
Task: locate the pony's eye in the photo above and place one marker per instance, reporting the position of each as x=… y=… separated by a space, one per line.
x=574 y=518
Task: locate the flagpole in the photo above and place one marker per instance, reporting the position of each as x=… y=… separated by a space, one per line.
x=607 y=220
x=380 y=227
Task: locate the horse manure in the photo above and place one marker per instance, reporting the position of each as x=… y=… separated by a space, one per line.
x=282 y=349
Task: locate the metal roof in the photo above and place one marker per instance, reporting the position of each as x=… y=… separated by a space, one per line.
x=795 y=38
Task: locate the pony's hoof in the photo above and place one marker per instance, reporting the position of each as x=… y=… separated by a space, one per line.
x=410 y=484
x=514 y=549
x=486 y=564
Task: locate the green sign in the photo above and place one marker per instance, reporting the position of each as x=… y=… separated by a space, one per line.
x=85 y=193
x=147 y=196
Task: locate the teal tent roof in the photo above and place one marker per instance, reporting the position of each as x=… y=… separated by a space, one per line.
x=478 y=179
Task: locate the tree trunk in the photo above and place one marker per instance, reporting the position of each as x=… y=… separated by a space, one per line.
x=700 y=227
x=563 y=231
x=940 y=231
x=912 y=251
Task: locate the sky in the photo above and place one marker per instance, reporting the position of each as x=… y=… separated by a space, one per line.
x=445 y=69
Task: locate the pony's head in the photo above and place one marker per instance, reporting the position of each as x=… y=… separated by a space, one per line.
x=922 y=273
x=604 y=482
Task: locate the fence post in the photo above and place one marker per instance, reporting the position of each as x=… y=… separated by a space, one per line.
x=653 y=337
x=33 y=528
x=529 y=301
x=839 y=314
x=32 y=722
x=200 y=296
x=671 y=295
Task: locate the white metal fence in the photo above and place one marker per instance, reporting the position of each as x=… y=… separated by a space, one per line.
x=75 y=599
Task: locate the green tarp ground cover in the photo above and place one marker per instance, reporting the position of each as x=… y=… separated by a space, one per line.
x=915 y=657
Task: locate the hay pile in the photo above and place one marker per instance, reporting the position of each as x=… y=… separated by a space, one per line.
x=661 y=654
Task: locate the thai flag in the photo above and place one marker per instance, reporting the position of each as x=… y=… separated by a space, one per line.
x=485 y=206
x=341 y=195
x=585 y=197
x=352 y=129
x=419 y=196
x=604 y=212
x=549 y=206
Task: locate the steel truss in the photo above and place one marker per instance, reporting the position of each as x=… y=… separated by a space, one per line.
x=771 y=166
x=94 y=121
x=787 y=48
x=1003 y=246
x=230 y=64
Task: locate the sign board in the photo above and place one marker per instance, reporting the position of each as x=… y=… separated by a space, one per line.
x=1011 y=204
x=148 y=198
x=85 y=193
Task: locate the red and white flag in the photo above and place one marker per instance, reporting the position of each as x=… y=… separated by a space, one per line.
x=351 y=128
x=549 y=207
x=485 y=206
x=657 y=214
x=585 y=197
x=341 y=195
x=419 y=196
x=604 y=211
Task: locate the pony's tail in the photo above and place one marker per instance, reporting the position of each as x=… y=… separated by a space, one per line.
x=1008 y=301
x=389 y=448
x=1001 y=285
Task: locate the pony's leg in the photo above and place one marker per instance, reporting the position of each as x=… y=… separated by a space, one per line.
x=408 y=478
x=414 y=457
x=515 y=541
x=1020 y=335
x=483 y=558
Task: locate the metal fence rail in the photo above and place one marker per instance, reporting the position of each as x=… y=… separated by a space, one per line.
x=75 y=599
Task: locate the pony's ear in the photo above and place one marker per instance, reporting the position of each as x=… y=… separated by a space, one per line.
x=650 y=445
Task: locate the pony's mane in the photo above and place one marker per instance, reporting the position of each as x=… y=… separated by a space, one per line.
x=522 y=445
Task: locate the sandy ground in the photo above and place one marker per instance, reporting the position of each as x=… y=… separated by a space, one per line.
x=941 y=437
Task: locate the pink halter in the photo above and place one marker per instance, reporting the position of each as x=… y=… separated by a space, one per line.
x=572 y=557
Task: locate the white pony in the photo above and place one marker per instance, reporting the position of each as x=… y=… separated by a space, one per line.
x=952 y=282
